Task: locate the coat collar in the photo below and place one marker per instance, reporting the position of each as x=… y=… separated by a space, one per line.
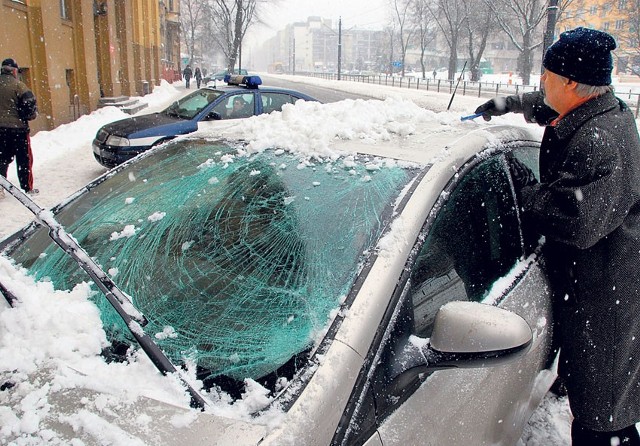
x=593 y=107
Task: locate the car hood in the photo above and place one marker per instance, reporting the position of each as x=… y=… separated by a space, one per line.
x=141 y=124
x=90 y=416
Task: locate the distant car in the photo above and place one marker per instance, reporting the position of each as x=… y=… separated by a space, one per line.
x=388 y=296
x=120 y=141
x=220 y=75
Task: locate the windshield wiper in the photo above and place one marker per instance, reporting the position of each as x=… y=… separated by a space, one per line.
x=133 y=319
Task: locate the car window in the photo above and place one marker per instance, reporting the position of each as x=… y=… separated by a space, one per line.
x=274 y=101
x=237 y=262
x=529 y=156
x=192 y=104
x=236 y=106
x=473 y=240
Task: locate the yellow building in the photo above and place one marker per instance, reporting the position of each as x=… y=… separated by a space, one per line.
x=73 y=52
x=617 y=17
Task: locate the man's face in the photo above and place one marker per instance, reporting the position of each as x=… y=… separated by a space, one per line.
x=554 y=90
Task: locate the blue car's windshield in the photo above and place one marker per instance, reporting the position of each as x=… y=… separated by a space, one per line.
x=189 y=106
x=237 y=261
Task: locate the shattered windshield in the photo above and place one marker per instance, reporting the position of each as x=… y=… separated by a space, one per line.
x=237 y=261
x=189 y=106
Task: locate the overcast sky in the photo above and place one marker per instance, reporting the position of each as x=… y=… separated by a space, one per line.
x=370 y=14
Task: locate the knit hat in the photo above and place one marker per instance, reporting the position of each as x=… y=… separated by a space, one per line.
x=9 y=63
x=582 y=55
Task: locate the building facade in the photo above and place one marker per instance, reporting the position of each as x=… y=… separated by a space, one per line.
x=73 y=52
x=620 y=18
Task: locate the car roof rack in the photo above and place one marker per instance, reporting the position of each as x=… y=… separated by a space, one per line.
x=250 y=82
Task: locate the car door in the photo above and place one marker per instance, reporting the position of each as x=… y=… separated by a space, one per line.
x=470 y=248
x=224 y=109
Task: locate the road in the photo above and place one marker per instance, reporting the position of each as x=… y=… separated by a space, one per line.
x=323 y=94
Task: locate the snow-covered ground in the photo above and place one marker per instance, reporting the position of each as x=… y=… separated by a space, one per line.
x=45 y=328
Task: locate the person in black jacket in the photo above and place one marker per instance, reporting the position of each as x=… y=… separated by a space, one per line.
x=587 y=205
x=187 y=73
x=198 y=77
x=17 y=107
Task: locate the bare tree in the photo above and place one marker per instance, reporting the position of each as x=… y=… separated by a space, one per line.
x=230 y=20
x=450 y=16
x=477 y=33
x=389 y=40
x=405 y=29
x=425 y=33
x=521 y=20
x=192 y=18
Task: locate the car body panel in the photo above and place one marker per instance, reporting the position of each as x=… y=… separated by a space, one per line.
x=144 y=421
x=487 y=423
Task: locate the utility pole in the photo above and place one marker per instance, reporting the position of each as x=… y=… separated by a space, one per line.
x=339 y=46
x=549 y=35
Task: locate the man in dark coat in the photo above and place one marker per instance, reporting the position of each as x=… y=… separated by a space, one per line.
x=587 y=205
x=187 y=73
x=17 y=108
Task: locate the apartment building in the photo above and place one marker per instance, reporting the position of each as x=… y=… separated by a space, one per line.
x=73 y=52
x=617 y=17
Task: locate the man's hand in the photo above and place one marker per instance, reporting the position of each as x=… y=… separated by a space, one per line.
x=499 y=106
x=522 y=176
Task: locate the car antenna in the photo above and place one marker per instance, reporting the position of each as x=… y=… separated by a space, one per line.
x=458 y=83
x=133 y=319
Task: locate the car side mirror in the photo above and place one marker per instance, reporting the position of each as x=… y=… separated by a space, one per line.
x=465 y=335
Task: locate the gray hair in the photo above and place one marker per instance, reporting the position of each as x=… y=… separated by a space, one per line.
x=586 y=91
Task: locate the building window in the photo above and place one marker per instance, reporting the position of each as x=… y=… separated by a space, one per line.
x=65 y=10
x=593 y=10
x=605 y=26
x=622 y=4
x=619 y=25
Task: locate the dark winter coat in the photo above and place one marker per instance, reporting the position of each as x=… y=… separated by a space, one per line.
x=187 y=73
x=17 y=103
x=198 y=74
x=587 y=206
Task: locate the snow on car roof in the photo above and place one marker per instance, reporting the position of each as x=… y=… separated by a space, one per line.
x=395 y=128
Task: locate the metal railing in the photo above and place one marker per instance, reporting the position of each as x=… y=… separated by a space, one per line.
x=479 y=89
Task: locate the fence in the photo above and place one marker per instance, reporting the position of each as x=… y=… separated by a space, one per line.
x=479 y=89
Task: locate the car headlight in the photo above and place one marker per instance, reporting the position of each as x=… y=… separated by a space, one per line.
x=119 y=141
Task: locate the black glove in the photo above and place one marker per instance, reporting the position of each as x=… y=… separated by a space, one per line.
x=522 y=176
x=500 y=106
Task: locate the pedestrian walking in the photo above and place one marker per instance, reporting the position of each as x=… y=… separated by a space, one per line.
x=187 y=74
x=587 y=205
x=17 y=107
x=198 y=76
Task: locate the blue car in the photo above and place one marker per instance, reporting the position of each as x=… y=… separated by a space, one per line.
x=122 y=140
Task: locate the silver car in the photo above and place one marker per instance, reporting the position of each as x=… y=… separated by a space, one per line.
x=388 y=296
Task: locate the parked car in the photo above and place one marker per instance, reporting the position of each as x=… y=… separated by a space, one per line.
x=120 y=141
x=220 y=75
x=385 y=297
